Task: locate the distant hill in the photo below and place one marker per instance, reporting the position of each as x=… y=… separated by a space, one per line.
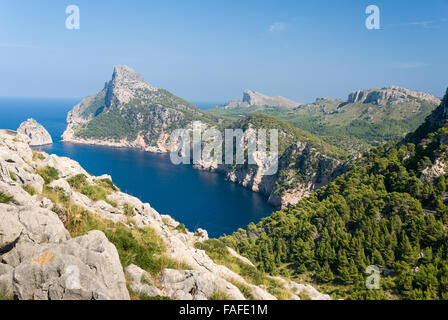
x=367 y=117
x=253 y=98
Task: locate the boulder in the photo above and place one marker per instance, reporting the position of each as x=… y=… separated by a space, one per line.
x=36 y=132
x=82 y=268
x=10 y=226
x=6 y=288
x=141 y=282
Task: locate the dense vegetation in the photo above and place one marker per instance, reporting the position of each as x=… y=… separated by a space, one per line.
x=380 y=213
x=288 y=134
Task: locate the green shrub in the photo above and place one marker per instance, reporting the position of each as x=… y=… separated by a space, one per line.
x=97 y=192
x=107 y=184
x=38 y=156
x=128 y=210
x=13 y=175
x=245 y=290
x=49 y=174
x=181 y=228
x=218 y=295
x=6 y=296
x=4 y=198
x=30 y=189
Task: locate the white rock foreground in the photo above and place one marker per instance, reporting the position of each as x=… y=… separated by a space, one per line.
x=40 y=261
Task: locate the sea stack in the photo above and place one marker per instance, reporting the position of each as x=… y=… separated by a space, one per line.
x=36 y=132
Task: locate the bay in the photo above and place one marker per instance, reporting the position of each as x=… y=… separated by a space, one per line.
x=199 y=199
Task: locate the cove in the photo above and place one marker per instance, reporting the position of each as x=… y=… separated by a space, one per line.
x=199 y=199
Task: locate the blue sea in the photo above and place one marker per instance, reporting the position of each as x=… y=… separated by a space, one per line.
x=196 y=198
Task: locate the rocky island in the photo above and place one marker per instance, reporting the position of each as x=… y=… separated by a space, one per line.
x=38 y=135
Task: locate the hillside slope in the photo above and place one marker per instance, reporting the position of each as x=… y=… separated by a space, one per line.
x=390 y=211
x=305 y=163
x=368 y=117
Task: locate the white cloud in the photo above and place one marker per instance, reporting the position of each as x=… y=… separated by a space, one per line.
x=424 y=24
x=277 y=27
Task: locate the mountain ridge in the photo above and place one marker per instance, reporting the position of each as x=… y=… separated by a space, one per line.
x=254 y=98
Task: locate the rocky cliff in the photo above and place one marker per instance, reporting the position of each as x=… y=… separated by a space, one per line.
x=253 y=98
x=389 y=94
x=65 y=234
x=302 y=169
x=36 y=132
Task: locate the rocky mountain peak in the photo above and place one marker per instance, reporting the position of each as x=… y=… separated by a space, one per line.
x=125 y=85
x=389 y=94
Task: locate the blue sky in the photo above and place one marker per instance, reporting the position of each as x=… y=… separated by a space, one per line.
x=212 y=50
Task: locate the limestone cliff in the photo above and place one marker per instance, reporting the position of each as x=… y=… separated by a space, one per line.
x=393 y=93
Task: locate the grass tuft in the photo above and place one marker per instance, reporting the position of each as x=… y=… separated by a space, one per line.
x=5 y=198
x=12 y=175
x=30 y=189
x=49 y=174
x=38 y=156
x=218 y=295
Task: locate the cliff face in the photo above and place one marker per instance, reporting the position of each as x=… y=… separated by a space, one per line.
x=62 y=231
x=301 y=170
x=37 y=133
x=393 y=93
x=253 y=98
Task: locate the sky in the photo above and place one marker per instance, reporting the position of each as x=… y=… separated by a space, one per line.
x=212 y=50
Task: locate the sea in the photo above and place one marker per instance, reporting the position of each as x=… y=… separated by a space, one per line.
x=198 y=199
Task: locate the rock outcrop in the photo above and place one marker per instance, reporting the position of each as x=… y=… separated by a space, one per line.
x=36 y=132
x=253 y=98
x=389 y=94
x=39 y=259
